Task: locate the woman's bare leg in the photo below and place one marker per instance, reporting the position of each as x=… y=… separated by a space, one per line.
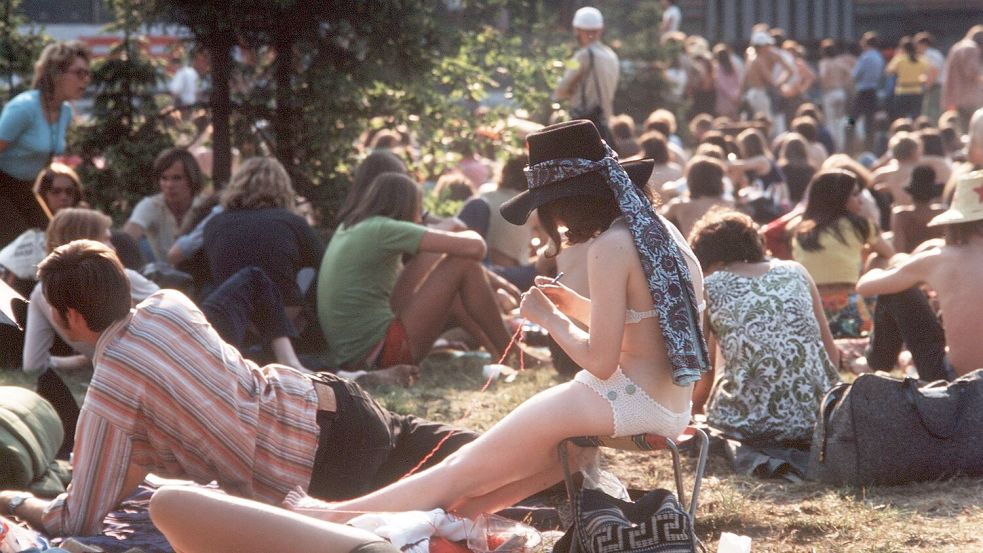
x=460 y=315
x=521 y=447
x=426 y=312
x=414 y=272
x=204 y=521
x=511 y=494
x=284 y=353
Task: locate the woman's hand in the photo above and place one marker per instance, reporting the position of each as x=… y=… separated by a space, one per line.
x=535 y=307
x=561 y=296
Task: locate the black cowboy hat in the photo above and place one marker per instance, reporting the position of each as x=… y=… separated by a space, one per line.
x=573 y=139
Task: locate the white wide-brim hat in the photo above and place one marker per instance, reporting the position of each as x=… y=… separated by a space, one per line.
x=967 y=202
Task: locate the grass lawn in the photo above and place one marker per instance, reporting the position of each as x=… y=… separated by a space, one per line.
x=777 y=515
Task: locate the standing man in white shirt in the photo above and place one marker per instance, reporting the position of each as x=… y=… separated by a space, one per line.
x=186 y=85
x=592 y=75
x=672 y=16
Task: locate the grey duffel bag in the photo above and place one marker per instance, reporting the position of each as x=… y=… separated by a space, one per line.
x=883 y=430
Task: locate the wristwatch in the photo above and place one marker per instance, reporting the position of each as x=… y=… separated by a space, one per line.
x=15 y=502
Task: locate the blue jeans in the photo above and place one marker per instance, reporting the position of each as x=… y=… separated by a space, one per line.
x=247 y=298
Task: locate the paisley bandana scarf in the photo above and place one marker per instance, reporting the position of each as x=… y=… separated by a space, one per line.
x=664 y=266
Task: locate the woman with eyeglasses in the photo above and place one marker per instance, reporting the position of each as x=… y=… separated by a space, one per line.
x=59 y=186
x=32 y=131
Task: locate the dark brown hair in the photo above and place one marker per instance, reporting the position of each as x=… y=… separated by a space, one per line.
x=191 y=169
x=957 y=234
x=655 y=147
x=826 y=200
x=724 y=236
x=584 y=216
x=705 y=177
x=46 y=178
x=86 y=276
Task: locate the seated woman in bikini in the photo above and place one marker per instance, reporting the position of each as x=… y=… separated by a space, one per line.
x=641 y=357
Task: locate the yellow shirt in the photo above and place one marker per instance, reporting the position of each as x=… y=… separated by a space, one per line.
x=835 y=262
x=908 y=73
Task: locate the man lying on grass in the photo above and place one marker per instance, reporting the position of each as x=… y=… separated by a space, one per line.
x=168 y=396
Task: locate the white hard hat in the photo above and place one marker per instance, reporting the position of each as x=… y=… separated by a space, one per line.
x=588 y=19
x=761 y=38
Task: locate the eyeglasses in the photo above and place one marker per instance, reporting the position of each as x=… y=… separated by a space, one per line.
x=68 y=191
x=81 y=72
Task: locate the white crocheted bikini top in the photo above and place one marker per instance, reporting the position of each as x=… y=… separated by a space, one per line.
x=634 y=317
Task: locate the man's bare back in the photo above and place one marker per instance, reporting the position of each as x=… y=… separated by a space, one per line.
x=953 y=272
x=893 y=178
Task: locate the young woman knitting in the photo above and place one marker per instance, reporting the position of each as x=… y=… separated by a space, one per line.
x=642 y=352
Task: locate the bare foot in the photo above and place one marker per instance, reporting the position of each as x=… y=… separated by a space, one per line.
x=299 y=502
x=445 y=344
x=397 y=375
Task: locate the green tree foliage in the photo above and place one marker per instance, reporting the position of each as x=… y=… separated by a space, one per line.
x=125 y=130
x=322 y=75
x=18 y=50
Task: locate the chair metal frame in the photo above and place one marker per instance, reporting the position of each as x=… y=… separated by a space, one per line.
x=643 y=442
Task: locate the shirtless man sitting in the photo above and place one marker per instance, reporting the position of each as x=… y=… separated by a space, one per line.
x=952 y=271
x=906 y=148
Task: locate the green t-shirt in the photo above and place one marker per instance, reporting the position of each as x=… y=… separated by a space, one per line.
x=358 y=273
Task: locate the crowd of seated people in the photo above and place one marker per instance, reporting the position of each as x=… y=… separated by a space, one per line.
x=805 y=245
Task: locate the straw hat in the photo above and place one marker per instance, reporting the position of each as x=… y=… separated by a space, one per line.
x=967 y=203
x=573 y=139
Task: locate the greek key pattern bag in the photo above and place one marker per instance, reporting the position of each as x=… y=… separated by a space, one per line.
x=656 y=523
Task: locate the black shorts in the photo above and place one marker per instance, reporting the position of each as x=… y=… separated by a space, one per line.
x=363 y=446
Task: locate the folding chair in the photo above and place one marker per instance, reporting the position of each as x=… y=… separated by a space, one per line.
x=644 y=442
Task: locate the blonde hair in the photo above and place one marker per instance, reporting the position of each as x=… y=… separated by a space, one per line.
x=54 y=61
x=260 y=182
x=74 y=223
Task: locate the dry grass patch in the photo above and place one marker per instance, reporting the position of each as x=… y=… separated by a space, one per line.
x=779 y=516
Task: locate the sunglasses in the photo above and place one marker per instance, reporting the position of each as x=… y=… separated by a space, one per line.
x=62 y=190
x=81 y=73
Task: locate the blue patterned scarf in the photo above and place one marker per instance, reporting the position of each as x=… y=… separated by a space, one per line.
x=664 y=266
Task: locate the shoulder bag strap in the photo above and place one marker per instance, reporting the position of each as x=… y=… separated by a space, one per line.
x=583 y=84
x=912 y=395
x=597 y=83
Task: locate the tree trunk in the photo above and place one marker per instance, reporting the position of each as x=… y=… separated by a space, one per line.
x=221 y=104
x=283 y=116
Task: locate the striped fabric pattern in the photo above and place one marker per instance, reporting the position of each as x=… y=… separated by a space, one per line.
x=168 y=396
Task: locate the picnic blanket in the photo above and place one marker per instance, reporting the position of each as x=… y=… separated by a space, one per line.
x=128 y=529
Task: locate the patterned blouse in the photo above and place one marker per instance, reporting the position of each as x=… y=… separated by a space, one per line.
x=776 y=367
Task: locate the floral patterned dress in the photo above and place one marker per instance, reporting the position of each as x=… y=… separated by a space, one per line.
x=776 y=368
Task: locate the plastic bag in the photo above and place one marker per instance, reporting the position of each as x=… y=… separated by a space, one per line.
x=492 y=533
x=17 y=539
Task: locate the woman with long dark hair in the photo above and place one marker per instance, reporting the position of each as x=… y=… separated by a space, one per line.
x=830 y=241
